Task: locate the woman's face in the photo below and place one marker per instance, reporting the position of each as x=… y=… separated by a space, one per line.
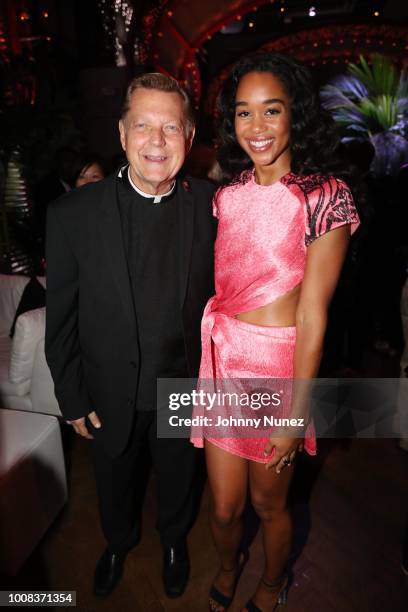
x=263 y=122
x=90 y=174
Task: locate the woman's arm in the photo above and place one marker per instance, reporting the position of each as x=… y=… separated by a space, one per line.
x=325 y=258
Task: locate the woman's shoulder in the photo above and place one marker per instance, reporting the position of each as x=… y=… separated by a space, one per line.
x=243 y=180
x=309 y=183
x=328 y=203
x=228 y=193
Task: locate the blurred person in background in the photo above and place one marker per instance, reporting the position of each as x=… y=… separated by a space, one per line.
x=89 y=169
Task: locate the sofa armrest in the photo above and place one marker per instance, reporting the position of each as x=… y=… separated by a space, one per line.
x=11 y=290
x=42 y=386
x=30 y=329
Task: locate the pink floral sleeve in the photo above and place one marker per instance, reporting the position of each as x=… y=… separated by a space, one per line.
x=329 y=204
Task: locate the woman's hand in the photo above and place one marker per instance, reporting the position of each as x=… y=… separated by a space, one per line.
x=285 y=451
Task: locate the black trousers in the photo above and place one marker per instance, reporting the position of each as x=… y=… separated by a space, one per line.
x=173 y=464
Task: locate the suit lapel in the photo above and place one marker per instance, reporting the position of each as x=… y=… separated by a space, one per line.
x=112 y=240
x=186 y=213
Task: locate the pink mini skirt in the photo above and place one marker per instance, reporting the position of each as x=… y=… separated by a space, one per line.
x=240 y=352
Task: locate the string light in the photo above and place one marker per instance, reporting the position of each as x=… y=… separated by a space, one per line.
x=125 y=9
x=115 y=11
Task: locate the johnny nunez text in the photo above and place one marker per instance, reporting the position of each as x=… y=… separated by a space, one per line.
x=231 y=421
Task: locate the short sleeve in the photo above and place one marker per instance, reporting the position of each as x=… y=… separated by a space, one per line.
x=328 y=206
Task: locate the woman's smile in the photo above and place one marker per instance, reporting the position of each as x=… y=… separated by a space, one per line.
x=260 y=145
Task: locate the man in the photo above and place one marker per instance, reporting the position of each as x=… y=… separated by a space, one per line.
x=129 y=270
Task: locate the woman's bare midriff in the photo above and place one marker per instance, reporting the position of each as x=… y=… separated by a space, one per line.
x=280 y=313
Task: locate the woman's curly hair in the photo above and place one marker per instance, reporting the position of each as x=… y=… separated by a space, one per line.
x=313 y=139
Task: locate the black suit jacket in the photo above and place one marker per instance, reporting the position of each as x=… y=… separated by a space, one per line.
x=91 y=339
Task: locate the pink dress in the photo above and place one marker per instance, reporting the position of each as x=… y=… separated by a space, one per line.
x=260 y=254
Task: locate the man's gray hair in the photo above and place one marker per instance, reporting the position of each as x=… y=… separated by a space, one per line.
x=159 y=82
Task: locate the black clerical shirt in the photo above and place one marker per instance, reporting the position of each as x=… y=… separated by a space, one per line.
x=151 y=236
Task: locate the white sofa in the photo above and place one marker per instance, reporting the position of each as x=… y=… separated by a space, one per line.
x=25 y=379
x=33 y=486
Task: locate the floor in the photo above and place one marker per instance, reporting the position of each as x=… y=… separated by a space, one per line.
x=349 y=509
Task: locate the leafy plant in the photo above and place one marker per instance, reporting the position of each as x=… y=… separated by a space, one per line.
x=371 y=103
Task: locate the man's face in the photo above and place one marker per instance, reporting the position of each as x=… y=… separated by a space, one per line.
x=156 y=137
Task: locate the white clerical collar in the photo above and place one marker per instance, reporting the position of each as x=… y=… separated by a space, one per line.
x=155 y=198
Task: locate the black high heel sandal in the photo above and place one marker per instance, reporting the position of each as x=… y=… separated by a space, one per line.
x=282 y=593
x=221 y=599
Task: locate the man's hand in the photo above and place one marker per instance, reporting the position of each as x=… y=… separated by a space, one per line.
x=80 y=427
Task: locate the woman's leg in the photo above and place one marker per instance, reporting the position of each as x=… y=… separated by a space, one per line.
x=269 y=492
x=228 y=480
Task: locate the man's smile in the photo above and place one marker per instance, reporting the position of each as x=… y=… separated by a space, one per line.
x=155 y=158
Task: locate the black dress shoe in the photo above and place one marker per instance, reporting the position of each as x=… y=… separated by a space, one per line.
x=108 y=572
x=176 y=569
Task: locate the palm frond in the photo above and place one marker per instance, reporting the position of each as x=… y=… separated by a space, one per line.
x=373 y=95
x=380 y=79
x=334 y=98
x=371 y=102
x=382 y=110
x=350 y=86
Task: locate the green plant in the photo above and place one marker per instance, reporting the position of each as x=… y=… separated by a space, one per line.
x=371 y=103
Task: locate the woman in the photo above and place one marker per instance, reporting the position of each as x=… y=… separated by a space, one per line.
x=89 y=169
x=284 y=228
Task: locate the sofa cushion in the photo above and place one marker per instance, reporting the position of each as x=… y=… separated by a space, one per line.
x=30 y=329
x=16 y=402
x=33 y=297
x=11 y=290
x=7 y=388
